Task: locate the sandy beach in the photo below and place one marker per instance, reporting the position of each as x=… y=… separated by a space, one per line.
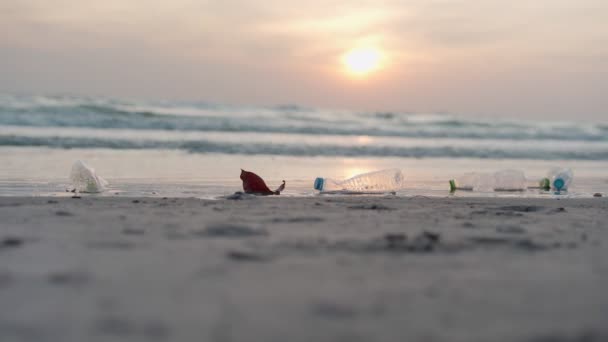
x=303 y=269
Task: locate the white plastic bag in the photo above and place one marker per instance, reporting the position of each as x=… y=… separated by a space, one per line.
x=84 y=178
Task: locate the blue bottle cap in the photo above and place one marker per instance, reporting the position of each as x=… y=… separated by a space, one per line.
x=558 y=184
x=319 y=183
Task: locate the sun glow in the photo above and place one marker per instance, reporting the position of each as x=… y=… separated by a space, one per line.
x=362 y=61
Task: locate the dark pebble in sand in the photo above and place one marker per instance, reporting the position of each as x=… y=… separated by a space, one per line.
x=51 y=202
x=230 y=231
x=431 y=236
x=558 y=210
x=11 y=242
x=508 y=213
x=425 y=242
x=525 y=244
x=522 y=208
x=63 y=213
x=497 y=213
x=529 y=245
x=76 y=197
x=135 y=201
x=303 y=219
x=395 y=240
x=597 y=194
x=370 y=207
x=245 y=256
x=491 y=241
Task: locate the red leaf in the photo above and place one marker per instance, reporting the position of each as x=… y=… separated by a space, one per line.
x=254 y=184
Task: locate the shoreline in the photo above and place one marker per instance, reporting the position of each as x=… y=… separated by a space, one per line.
x=44 y=171
x=300 y=269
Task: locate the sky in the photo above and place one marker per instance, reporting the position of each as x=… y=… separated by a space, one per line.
x=541 y=59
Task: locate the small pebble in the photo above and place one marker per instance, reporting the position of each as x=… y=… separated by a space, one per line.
x=431 y=236
x=597 y=194
x=244 y=256
x=229 y=230
x=11 y=242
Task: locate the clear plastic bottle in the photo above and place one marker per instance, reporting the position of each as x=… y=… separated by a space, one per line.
x=505 y=180
x=510 y=180
x=378 y=181
x=468 y=182
x=557 y=179
x=84 y=178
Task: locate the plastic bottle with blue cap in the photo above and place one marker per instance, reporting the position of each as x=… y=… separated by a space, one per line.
x=383 y=181
x=558 y=179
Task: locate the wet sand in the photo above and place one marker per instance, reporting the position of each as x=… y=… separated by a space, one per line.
x=303 y=269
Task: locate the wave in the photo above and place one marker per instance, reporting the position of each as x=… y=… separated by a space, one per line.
x=204 y=146
x=289 y=119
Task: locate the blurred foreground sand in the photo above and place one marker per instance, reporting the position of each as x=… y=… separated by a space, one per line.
x=303 y=269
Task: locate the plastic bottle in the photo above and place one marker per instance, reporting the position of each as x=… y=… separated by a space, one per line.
x=557 y=179
x=373 y=182
x=505 y=180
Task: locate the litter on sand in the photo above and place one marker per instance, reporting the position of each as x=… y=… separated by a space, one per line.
x=84 y=178
x=254 y=184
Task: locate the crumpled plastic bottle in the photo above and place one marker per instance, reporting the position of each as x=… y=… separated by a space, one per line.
x=382 y=181
x=504 y=180
x=84 y=178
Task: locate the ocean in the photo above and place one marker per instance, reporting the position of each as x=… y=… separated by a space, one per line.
x=196 y=149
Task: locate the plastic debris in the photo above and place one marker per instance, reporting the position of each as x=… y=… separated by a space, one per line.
x=254 y=184
x=84 y=178
x=383 y=181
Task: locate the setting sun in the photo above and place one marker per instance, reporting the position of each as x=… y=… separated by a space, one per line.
x=362 y=61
